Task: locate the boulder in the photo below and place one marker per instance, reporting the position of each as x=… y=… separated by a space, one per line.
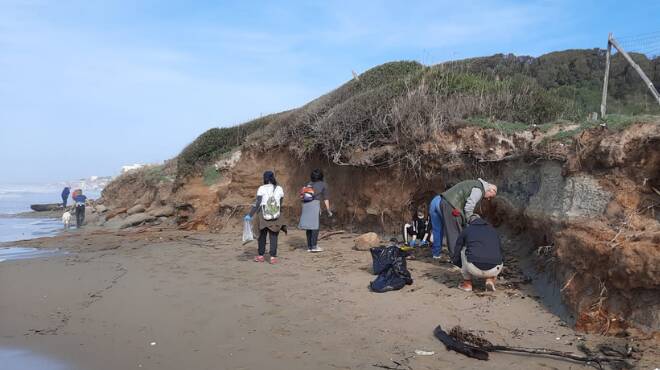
x=366 y=241
x=139 y=208
x=163 y=211
x=46 y=207
x=135 y=220
x=113 y=213
x=100 y=208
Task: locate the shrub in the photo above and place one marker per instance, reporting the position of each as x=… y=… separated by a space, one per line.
x=401 y=103
x=214 y=142
x=210 y=175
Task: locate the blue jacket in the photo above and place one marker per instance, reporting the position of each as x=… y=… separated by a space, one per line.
x=482 y=244
x=65 y=193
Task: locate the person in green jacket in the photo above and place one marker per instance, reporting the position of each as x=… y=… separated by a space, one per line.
x=450 y=211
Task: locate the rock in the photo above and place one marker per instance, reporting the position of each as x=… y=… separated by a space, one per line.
x=100 y=208
x=115 y=223
x=164 y=211
x=46 y=207
x=135 y=220
x=366 y=241
x=139 y=208
x=111 y=214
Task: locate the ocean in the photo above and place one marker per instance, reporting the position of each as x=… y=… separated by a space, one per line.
x=17 y=199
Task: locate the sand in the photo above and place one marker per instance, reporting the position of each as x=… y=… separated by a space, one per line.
x=170 y=299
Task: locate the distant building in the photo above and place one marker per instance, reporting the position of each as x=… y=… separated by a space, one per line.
x=131 y=167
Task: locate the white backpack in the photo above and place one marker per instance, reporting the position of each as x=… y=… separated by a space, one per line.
x=270 y=205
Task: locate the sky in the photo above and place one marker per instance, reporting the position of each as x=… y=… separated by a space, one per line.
x=88 y=86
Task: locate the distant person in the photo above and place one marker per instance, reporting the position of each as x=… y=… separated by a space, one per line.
x=65 y=196
x=268 y=206
x=419 y=227
x=478 y=253
x=80 y=200
x=312 y=194
x=450 y=211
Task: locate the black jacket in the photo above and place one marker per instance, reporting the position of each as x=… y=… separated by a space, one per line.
x=482 y=244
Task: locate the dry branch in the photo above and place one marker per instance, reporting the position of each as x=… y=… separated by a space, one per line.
x=331 y=233
x=474 y=346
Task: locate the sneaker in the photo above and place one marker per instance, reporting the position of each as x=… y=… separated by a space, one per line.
x=317 y=249
x=259 y=259
x=273 y=260
x=465 y=286
x=437 y=257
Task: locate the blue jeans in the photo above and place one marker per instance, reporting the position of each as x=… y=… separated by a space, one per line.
x=436 y=225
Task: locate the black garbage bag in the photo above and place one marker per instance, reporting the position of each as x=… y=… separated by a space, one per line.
x=383 y=257
x=388 y=280
x=390 y=265
x=400 y=267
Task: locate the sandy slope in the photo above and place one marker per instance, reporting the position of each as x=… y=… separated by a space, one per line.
x=206 y=305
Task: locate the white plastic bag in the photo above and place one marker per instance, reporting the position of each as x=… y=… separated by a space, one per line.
x=247 y=231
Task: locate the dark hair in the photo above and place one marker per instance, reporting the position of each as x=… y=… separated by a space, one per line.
x=269 y=178
x=317 y=175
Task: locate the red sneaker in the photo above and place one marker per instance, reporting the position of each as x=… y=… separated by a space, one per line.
x=259 y=259
x=465 y=286
x=273 y=260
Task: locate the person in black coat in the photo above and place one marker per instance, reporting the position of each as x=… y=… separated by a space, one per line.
x=478 y=253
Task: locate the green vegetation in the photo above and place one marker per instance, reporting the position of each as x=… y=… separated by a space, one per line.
x=213 y=143
x=153 y=175
x=210 y=175
x=619 y=122
x=400 y=103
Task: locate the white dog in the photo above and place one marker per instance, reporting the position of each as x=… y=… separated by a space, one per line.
x=66 y=219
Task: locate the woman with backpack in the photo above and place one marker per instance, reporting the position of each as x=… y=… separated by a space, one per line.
x=267 y=205
x=312 y=195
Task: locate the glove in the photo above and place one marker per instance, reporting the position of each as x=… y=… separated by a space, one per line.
x=455 y=212
x=247 y=218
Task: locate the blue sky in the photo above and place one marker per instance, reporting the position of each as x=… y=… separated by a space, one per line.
x=88 y=86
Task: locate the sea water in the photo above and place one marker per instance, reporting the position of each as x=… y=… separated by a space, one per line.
x=18 y=198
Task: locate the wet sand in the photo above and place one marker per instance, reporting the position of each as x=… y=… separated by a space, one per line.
x=169 y=299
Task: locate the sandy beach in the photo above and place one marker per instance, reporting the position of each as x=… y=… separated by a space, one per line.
x=169 y=299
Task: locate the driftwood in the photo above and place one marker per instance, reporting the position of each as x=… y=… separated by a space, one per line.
x=477 y=347
x=330 y=233
x=460 y=347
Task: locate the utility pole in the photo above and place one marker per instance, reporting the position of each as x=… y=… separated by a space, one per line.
x=612 y=42
x=603 y=103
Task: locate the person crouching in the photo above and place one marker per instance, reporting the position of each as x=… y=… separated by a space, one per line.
x=419 y=227
x=478 y=253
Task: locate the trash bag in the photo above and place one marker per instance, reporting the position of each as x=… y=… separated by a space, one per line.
x=247 y=231
x=400 y=267
x=382 y=257
x=387 y=281
x=390 y=265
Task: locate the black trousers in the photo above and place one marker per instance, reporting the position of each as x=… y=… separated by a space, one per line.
x=312 y=238
x=261 y=242
x=80 y=215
